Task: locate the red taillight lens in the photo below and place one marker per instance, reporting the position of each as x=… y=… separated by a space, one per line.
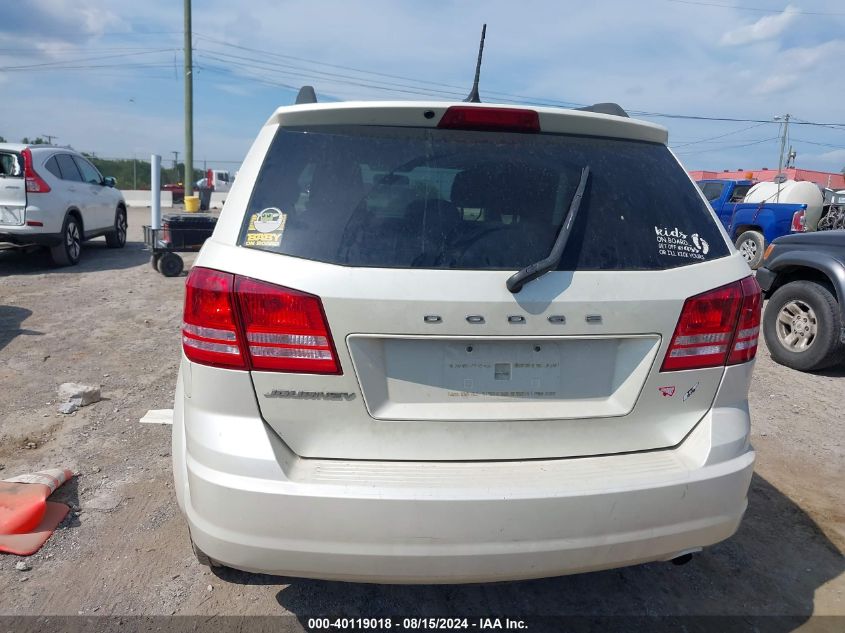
x=705 y=329
x=34 y=182
x=480 y=118
x=748 y=328
x=243 y=323
x=717 y=327
x=799 y=221
x=210 y=331
x=285 y=330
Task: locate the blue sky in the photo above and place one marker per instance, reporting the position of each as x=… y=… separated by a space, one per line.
x=105 y=75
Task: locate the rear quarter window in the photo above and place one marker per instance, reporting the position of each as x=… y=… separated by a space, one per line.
x=428 y=198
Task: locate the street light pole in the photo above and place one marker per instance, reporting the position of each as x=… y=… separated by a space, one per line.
x=189 y=105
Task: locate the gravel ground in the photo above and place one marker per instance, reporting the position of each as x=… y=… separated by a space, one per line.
x=114 y=321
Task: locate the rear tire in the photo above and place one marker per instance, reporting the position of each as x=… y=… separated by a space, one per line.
x=117 y=238
x=68 y=251
x=171 y=265
x=751 y=245
x=802 y=326
x=202 y=557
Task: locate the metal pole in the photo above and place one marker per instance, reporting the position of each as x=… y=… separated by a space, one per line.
x=782 y=148
x=155 y=191
x=135 y=172
x=189 y=105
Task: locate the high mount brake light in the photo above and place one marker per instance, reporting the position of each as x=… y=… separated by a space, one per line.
x=34 y=182
x=493 y=119
x=716 y=328
x=241 y=323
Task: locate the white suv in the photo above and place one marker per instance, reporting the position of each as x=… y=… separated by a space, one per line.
x=439 y=343
x=54 y=197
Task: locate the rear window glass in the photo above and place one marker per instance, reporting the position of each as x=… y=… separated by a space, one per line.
x=400 y=197
x=711 y=190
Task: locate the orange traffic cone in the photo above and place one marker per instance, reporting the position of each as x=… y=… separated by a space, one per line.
x=27 y=519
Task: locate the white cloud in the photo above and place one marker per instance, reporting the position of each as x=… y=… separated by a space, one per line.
x=766 y=28
x=834 y=159
x=772 y=84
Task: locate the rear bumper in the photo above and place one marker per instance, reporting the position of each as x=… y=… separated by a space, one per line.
x=23 y=238
x=252 y=504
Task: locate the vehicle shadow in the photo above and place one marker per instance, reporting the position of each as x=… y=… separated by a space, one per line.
x=837 y=371
x=764 y=579
x=95 y=257
x=11 y=318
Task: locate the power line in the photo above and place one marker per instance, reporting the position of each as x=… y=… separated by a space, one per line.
x=459 y=89
x=84 y=59
x=721 y=149
x=758 y=9
x=712 y=138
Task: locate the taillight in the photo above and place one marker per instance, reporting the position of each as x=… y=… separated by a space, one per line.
x=209 y=328
x=799 y=221
x=497 y=119
x=744 y=346
x=34 y=182
x=242 y=323
x=717 y=327
x=285 y=329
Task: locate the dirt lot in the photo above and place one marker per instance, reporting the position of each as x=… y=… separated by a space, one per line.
x=114 y=321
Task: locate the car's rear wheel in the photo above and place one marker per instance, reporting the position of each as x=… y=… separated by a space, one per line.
x=202 y=557
x=117 y=237
x=802 y=326
x=68 y=251
x=751 y=245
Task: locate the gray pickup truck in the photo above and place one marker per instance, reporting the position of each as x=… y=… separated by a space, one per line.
x=803 y=277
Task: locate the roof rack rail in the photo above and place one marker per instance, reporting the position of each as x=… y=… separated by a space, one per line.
x=606 y=108
x=306 y=94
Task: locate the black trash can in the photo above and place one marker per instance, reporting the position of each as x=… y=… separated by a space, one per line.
x=205 y=198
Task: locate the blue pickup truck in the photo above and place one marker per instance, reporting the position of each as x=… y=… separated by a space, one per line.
x=751 y=225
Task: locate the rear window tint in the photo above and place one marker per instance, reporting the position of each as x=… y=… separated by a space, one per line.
x=68 y=168
x=53 y=167
x=400 y=197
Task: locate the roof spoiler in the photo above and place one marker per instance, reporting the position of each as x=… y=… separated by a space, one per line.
x=605 y=108
x=306 y=94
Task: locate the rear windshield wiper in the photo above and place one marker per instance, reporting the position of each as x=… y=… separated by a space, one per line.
x=532 y=271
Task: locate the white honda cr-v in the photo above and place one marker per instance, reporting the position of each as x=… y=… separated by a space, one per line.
x=54 y=197
x=433 y=342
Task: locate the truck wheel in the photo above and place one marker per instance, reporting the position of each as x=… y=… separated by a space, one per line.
x=802 y=326
x=751 y=245
x=171 y=265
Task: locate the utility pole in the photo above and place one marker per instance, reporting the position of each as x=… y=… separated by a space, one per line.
x=189 y=105
x=49 y=138
x=176 y=164
x=785 y=120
